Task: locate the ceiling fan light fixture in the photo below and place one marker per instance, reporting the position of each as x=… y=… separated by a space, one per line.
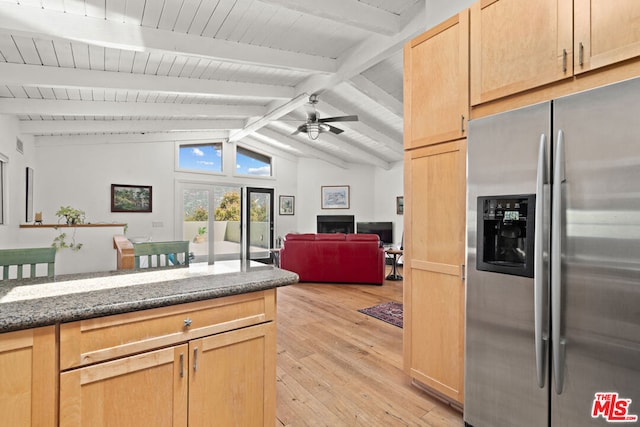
x=314 y=129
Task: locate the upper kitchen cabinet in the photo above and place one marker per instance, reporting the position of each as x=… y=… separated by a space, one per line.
x=606 y=32
x=436 y=83
x=519 y=45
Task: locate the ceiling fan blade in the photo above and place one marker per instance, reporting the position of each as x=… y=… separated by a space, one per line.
x=335 y=130
x=352 y=118
x=301 y=128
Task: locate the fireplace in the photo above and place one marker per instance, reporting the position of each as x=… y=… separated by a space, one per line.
x=335 y=224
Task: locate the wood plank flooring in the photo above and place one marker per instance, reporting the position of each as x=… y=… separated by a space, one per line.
x=338 y=367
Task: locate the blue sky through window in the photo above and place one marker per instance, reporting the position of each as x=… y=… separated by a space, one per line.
x=250 y=163
x=206 y=157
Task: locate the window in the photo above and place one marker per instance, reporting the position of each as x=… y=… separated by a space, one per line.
x=200 y=157
x=3 y=178
x=251 y=163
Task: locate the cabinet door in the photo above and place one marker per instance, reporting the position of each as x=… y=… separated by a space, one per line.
x=435 y=246
x=233 y=377
x=605 y=32
x=148 y=389
x=28 y=378
x=518 y=45
x=436 y=83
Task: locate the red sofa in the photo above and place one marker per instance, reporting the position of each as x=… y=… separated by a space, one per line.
x=335 y=258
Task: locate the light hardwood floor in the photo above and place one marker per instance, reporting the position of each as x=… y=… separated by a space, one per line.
x=338 y=367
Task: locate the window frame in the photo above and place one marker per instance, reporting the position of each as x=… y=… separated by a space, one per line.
x=259 y=153
x=182 y=144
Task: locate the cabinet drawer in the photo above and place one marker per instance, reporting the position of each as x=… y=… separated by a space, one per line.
x=95 y=340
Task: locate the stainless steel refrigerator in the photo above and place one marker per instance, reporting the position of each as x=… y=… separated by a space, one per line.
x=553 y=263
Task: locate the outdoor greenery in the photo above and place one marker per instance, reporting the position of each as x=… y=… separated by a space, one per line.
x=198 y=214
x=229 y=208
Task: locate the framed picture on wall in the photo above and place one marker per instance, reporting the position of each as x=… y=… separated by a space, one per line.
x=131 y=198
x=335 y=197
x=287 y=205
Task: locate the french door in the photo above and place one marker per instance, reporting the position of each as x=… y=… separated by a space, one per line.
x=225 y=222
x=259 y=220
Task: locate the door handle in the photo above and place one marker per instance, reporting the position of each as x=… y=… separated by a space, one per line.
x=558 y=343
x=540 y=279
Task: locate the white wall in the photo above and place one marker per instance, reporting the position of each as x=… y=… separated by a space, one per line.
x=16 y=179
x=373 y=193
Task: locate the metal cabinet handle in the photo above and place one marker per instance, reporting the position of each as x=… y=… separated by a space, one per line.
x=539 y=276
x=556 y=264
x=462 y=123
x=581 y=54
x=195 y=359
x=181 y=365
x=187 y=322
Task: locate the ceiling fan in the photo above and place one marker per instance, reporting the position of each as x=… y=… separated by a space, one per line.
x=314 y=125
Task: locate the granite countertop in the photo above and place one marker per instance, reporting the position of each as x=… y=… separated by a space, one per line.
x=39 y=302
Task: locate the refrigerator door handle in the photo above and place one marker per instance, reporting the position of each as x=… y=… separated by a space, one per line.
x=558 y=343
x=539 y=275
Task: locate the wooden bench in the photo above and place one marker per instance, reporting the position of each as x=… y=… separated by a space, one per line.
x=156 y=254
x=30 y=257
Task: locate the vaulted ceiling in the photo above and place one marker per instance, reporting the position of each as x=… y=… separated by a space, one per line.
x=194 y=70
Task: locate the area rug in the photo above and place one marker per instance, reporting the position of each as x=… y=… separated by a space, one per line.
x=390 y=312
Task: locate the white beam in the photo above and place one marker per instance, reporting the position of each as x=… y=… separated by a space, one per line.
x=269 y=135
x=348 y=12
x=40 y=127
x=363 y=56
x=378 y=94
x=56 y=77
x=50 y=107
x=153 y=137
x=41 y=23
x=271 y=115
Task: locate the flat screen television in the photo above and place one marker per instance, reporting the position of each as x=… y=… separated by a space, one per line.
x=383 y=229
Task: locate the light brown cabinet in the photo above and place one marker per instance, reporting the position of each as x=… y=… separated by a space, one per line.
x=184 y=365
x=28 y=377
x=435 y=211
x=517 y=46
x=436 y=82
x=605 y=33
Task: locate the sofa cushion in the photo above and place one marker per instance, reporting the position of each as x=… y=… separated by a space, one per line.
x=330 y=236
x=304 y=236
x=363 y=237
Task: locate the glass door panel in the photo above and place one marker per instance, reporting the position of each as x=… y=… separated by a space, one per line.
x=259 y=214
x=227 y=231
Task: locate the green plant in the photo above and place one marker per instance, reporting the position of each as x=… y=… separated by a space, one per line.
x=61 y=243
x=202 y=230
x=71 y=215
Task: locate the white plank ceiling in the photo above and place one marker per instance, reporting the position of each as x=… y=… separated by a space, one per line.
x=235 y=70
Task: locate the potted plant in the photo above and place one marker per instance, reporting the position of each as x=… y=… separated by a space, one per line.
x=200 y=237
x=72 y=216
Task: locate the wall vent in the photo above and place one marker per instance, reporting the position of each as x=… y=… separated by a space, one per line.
x=19 y=146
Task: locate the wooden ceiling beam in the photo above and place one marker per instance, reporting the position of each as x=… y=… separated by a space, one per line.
x=347 y=12
x=42 y=23
x=58 y=77
x=50 y=107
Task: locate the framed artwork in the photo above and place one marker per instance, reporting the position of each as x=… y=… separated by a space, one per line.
x=400 y=205
x=29 y=193
x=335 y=197
x=131 y=198
x=287 y=205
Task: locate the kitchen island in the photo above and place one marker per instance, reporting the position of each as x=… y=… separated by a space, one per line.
x=173 y=347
